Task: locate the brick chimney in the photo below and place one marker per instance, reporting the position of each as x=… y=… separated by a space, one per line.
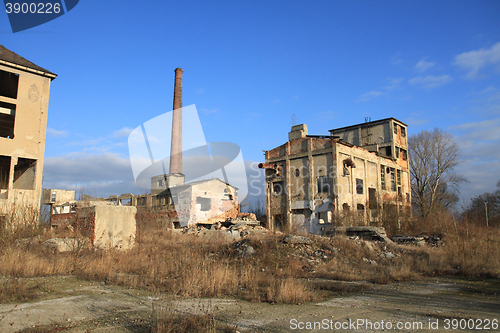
x=176 y=148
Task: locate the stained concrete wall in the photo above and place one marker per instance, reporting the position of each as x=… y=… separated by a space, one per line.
x=22 y=151
x=109 y=226
x=206 y=201
x=56 y=197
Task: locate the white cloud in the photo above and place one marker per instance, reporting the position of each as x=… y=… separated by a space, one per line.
x=370 y=95
x=416 y=121
x=55 y=133
x=474 y=61
x=479 y=142
x=394 y=84
x=93 y=174
x=102 y=175
x=486 y=130
x=424 y=65
x=123 y=132
x=430 y=81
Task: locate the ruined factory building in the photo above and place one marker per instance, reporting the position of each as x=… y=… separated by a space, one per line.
x=24 y=102
x=356 y=175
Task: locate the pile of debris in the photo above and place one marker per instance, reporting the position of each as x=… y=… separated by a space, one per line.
x=423 y=240
x=233 y=228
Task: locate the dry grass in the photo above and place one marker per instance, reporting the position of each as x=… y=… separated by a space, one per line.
x=170 y=316
x=13 y=289
x=187 y=266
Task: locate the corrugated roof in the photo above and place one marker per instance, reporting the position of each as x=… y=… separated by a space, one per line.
x=8 y=56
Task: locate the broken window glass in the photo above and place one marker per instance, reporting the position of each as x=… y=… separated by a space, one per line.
x=382 y=177
x=324 y=184
x=359 y=186
x=393 y=180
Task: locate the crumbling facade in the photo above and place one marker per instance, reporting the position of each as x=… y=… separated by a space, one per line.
x=24 y=102
x=353 y=175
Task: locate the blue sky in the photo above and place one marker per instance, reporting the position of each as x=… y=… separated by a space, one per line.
x=252 y=66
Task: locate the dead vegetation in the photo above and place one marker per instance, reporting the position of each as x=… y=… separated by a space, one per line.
x=263 y=267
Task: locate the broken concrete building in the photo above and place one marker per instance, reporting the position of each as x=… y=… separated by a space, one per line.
x=173 y=202
x=24 y=102
x=103 y=223
x=355 y=175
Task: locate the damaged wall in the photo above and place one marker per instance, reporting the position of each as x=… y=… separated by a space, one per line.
x=325 y=181
x=24 y=100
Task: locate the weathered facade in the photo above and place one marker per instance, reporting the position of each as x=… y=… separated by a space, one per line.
x=24 y=102
x=105 y=224
x=352 y=176
x=173 y=203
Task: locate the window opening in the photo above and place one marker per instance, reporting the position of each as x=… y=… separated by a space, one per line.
x=372 y=198
x=7 y=120
x=359 y=186
x=24 y=174
x=278 y=188
x=324 y=184
x=204 y=203
x=393 y=180
x=9 y=83
x=382 y=177
x=4 y=172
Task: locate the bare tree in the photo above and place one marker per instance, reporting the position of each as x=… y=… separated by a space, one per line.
x=433 y=158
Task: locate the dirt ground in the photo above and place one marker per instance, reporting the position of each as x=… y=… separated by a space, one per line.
x=433 y=304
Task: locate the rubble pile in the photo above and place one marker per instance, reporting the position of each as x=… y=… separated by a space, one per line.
x=435 y=241
x=233 y=228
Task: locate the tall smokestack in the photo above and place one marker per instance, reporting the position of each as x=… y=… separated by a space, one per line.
x=176 y=148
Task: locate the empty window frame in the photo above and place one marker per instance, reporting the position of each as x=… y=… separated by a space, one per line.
x=325 y=217
x=203 y=203
x=393 y=179
x=397 y=152
x=395 y=129
x=278 y=188
x=7 y=120
x=9 y=83
x=324 y=184
x=4 y=172
x=372 y=198
x=382 y=177
x=405 y=154
x=403 y=131
x=24 y=174
x=359 y=186
x=399 y=177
